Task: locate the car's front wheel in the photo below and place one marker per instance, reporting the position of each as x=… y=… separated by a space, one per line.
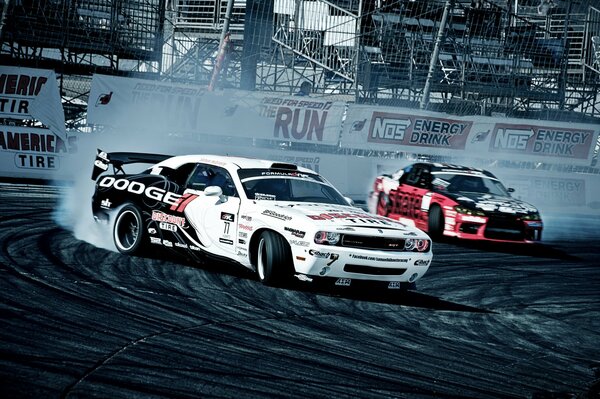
x=128 y=231
x=274 y=259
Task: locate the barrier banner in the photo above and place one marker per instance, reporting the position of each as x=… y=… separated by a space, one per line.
x=28 y=93
x=34 y=153
x=370 y=127
x=188 y=111
x=427 y=133
x=549 y=141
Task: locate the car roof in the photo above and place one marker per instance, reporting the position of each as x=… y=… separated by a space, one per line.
x=229 y=162
x=453 y=168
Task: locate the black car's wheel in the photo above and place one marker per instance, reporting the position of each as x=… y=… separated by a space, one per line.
x=274 y=259
x=436 y=222
x=383 y=207
x=128 y=231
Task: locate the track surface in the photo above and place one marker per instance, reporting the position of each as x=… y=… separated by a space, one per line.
x=486 y=322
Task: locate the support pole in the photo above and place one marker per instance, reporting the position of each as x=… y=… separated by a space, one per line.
x=435 y=56
x=223 y=42
x=357 y=52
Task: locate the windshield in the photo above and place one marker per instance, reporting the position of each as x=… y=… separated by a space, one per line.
x=288 y=186
x=456 y=182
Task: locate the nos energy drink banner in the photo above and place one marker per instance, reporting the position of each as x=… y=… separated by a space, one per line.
x=413 y=131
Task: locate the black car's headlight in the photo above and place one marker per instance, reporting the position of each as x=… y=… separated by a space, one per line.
x=327 y=238
x=532 y=216
x=468 y=211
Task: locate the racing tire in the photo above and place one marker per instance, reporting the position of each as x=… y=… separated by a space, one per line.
x=274 y=259
x=435 y=225
x=128 y=230
x=383 y=206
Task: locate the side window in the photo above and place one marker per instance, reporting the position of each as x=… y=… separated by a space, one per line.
x=413 y=177
x=424 y=179
x=208 y=175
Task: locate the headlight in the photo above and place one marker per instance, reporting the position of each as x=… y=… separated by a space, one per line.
x=467 y=211
x=416 y=244
x=532 y=216
x=327 y=238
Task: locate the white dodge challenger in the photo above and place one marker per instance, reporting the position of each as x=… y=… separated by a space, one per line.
x=277 y=219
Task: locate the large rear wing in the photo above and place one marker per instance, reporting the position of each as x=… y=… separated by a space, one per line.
x=118 y=159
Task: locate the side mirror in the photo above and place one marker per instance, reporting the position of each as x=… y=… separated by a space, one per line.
x=511 y=190
x=213 y=191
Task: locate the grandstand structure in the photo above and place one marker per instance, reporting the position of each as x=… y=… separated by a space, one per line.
x=488 y=57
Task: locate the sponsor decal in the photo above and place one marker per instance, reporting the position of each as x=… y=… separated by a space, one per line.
x=242 y=254
x=295 y=232
x=422 y=262
x=138 y=188
x=151 y=230
x=300 y=243
x=167 y=243
x=379 y=259
x=247 y=218
x=228 y=217
x=226 y=241
x=490 y=205
x=402 y=129
x=167 y=227
x=353 y=218
x=540 y=140
x=181 y=245
x=194 y=248
x=276 y=215
x=345 y=229
x=287 y=174
x=105 y=203
x=242 y=234
x=264 y=197
x=394 y=285
x=325 y=255
x=344 y=282
x=245 y=227
x=243 y=242
x=159 y=216
x=155 y=240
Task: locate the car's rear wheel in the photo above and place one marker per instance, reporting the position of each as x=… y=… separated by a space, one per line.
x=128 y=231
x=383 y=204
x=274 y=259
x=436 y=222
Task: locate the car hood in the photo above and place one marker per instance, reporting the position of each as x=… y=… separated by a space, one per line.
x=493 y=203
x=338 y=217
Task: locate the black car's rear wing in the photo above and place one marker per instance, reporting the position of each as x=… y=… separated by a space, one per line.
x=118 y=159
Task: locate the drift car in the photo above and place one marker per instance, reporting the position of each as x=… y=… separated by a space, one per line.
x=455 y=201
x=277 y=219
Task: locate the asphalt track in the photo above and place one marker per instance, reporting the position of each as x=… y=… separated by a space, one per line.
x=487 y=321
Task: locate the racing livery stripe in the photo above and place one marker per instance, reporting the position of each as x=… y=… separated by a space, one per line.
x=183 y=202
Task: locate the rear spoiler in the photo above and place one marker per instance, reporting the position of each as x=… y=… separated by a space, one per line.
x=118 y=159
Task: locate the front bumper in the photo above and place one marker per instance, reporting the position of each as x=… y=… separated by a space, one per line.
x=485 y=228
x=355 y=264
